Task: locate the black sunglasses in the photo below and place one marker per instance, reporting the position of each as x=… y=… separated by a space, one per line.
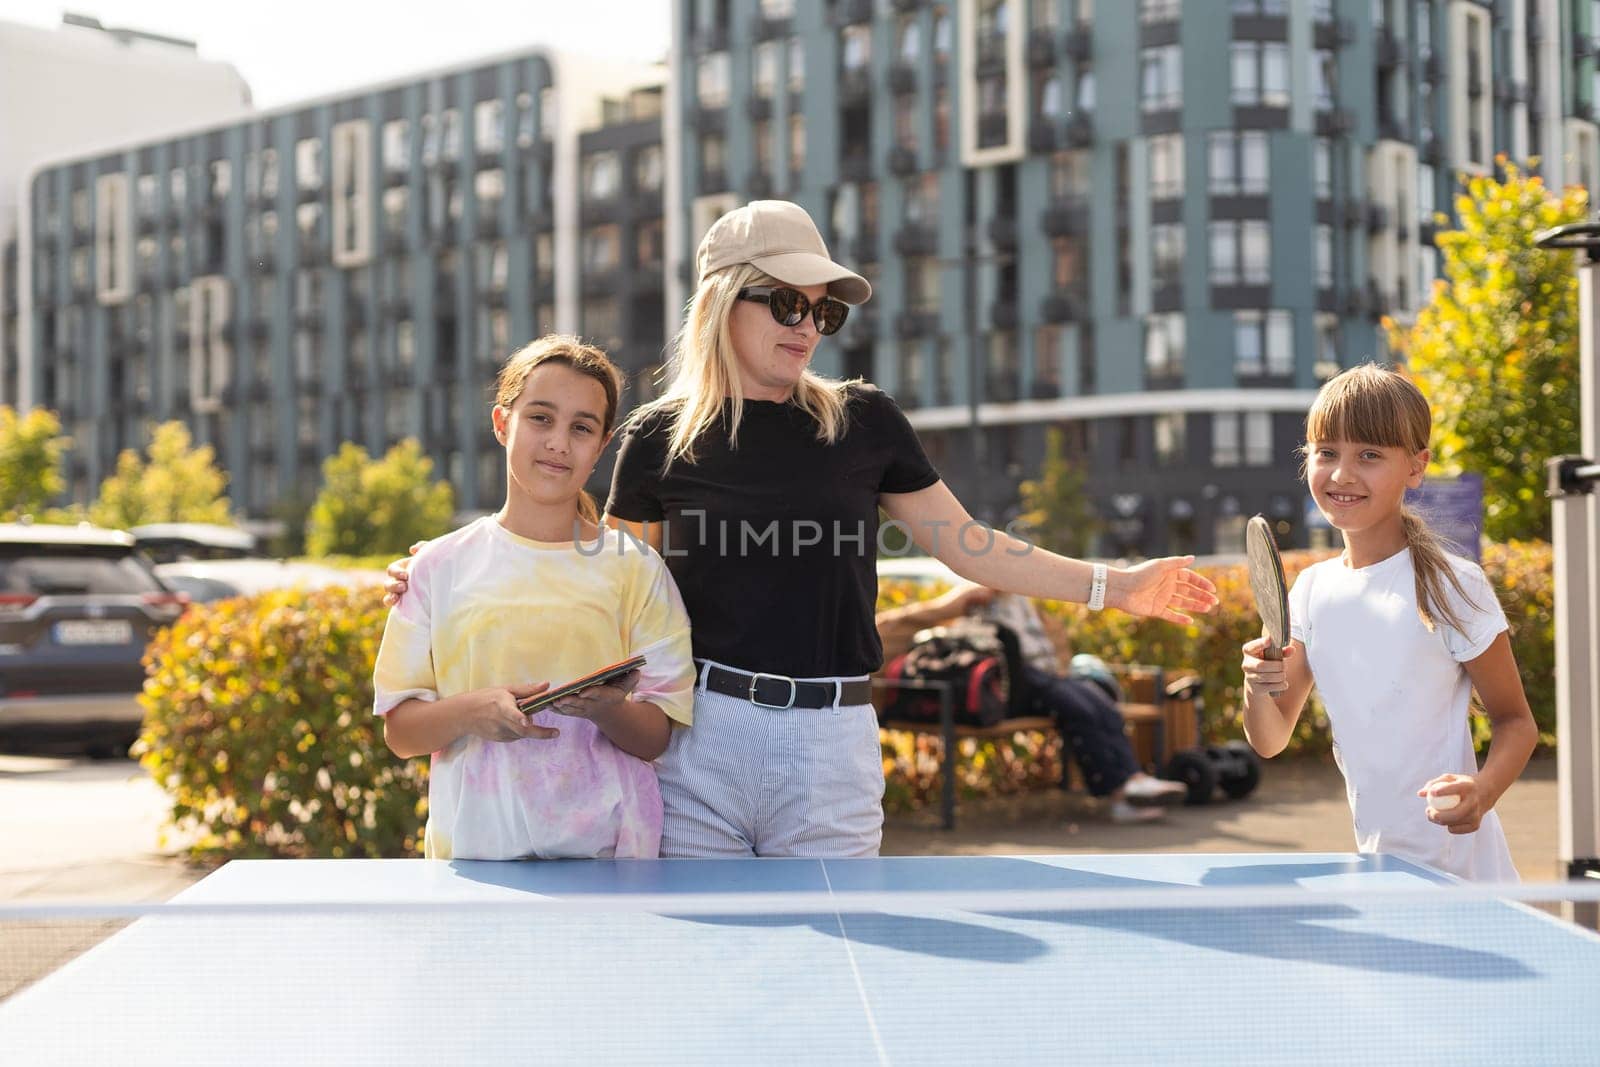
x=789 y=307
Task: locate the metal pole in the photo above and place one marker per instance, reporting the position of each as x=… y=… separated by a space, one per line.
x=980 y=450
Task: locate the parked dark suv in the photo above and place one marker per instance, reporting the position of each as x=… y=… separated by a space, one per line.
x=78 y=604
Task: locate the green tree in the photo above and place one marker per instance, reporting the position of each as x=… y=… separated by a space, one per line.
x=1055 y=507
x=178 y=483
x=31 y=447
x=369 y=507
x=1496 y=350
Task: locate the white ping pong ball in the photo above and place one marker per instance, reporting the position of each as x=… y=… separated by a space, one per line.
x=1443 y=801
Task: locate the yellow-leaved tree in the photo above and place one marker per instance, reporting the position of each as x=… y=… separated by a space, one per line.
x=177 y=483
x=1496 y=349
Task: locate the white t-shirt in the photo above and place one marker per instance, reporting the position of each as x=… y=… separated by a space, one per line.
x=1397 y=696
x=486 y=607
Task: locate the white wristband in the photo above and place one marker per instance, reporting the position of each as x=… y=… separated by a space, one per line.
x=1097 y=588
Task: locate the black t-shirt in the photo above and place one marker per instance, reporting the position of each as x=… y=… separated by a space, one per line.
x=774 y=544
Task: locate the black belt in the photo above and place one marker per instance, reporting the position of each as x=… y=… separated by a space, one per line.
x=776 y=691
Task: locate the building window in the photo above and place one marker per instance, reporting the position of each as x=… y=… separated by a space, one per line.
x=1327 y=357
x=797 y=143
x=1425 y=194
x=1067 y=257
x=913 y=369
x=855 y=46
x=1161 y=78
x=922 y=284
x=1083 y=92
x=1239 y=163
x=761 y=145
x=1047 y=345
x=1225 y=451
x=766 y=68
x=908 y=39
x=1260 y=74
x=352 y=193
x=1171 y=437
x=308 y=164
x=905 y=121
x=1167 y=247
x=1259 y=7
x=1164 y=346
x=711 y=80
x=1047 y=102
x=713 y=157
x=1166 y=166
x=1159 y=10
x=1263 y=343
x=601 y=249
x=488 y=125
x=796 y=65
x=922 y=198
x=1322 y=168
x=648 y=245
x=1325 y=71
x=1324 y=243
x=1258 y=438
x=647 y=172
x=941 y=121
x=943 y=34
x=602 y=176
x=113 y=240
x=1241 y=252
x=1069 y=176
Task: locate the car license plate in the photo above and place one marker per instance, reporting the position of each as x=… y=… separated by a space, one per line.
x=94 y=632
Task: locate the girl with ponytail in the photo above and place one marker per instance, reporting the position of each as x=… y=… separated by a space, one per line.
x=1396 y=634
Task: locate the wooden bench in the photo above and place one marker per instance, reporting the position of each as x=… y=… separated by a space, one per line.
x=1158 y=711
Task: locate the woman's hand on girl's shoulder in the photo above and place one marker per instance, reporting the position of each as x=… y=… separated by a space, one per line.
x=399 y=573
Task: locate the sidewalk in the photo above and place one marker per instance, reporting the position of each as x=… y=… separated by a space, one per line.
x=1299 y=807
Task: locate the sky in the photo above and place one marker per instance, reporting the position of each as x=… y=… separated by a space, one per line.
x=290 y=50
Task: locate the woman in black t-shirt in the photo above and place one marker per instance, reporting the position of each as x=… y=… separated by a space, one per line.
x=759 y=482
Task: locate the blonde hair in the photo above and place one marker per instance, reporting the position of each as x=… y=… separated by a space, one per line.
x=1371 y=405
x=703 y=371
x=568 y=351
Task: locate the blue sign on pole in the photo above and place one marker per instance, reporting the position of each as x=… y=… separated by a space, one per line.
x=1453 y=509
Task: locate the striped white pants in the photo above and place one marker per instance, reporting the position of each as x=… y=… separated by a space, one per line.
x=745 y=780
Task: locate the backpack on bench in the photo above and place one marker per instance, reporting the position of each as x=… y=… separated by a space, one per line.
x=979 y=660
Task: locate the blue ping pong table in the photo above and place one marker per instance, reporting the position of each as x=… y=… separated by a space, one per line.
x=410 y=961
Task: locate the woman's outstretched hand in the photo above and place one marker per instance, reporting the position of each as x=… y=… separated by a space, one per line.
x=1162 y=589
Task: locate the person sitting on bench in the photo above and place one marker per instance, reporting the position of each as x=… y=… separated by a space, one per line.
x=1087 y=718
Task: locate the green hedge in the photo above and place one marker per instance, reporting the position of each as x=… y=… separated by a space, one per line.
x=259 y=726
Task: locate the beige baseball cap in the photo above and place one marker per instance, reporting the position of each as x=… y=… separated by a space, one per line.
x=778 y=237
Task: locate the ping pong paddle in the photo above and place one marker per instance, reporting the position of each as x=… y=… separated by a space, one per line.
x=599 y=677
x=1266 y=582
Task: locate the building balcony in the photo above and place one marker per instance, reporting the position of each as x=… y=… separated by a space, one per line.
x=1003 y=233
x=712 y=38
x=759 y=185
x=850 y=12
x=1080 y=131
x=1003 y=314
x=903 y=77
x=991 y=55
x=993 y=128
x=1390 y=51
x=916 y=239
x=911 y=325
x=1042 y=135
x=856 y=166
x=902 y=160
x=1002 y=386
x=768 y=29
x=1392 y=129
x=758 y=107
x=855 y=85
x=1066 y=219
x=863 y=246
x=1041 y=47
x=1078 y=42
x=1064 y=305
x=713 y=180
x=1377 y=217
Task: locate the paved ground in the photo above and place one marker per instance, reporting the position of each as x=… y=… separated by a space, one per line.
x=83 y=830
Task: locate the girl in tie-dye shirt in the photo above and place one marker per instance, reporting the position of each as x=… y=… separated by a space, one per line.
x=535 y=594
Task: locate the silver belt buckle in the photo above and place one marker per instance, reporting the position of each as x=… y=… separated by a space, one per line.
x=755 y=679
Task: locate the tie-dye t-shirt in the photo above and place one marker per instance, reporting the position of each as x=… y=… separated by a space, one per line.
x=488 y=608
